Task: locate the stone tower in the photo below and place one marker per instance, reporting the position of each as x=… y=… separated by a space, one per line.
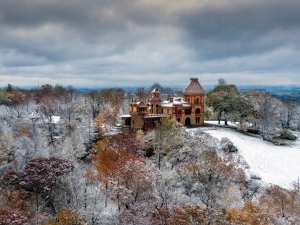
x=194 y=95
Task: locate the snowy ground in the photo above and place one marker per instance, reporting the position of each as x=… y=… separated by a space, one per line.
x=230 y=124
x=274 y=164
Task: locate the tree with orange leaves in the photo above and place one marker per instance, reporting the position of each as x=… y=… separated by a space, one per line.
x=108 y=165
x=128 y=178
x=99 y=125
x=16 y=199
x=130 y=142
x=15 y=108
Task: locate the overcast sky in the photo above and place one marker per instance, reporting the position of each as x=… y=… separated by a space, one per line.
x=137 y=42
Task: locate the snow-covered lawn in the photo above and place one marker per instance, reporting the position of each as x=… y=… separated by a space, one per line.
x=230 y=124
x=274 y=164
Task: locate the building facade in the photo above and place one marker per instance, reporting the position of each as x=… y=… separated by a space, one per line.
x=188 y=109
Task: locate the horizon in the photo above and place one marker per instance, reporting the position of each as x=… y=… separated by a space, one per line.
x=242 y=86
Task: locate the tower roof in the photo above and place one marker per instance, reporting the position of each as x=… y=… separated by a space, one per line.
x=155 y=90
x=194 y=87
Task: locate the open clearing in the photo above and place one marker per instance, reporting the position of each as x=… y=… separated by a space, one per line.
x=273 y=164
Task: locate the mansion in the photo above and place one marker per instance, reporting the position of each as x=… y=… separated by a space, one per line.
x=187 y=110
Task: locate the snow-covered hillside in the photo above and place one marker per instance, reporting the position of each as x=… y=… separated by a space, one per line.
x=273 y=164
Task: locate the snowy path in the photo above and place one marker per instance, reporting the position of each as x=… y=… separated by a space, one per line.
x=274 y=164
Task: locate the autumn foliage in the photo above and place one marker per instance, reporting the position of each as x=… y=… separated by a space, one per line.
x=109 y=164
x=39 y=175
x=250 y=214
x=130 y=142
x=190 y=215
x=12 y=217
x=67 y=217
x=16 y=199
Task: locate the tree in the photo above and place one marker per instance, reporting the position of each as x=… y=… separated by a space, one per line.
x=289 y=113
x=129 y=142
x=194 y=215
x=12 y=217
x=47 y=88
x=15 y=107
x=16 y=199
x=222 y=82
x=99 y=125
x=220 y=97
x=280 y=200
x=142 y=94
x=157 y=86
x=39 y=177
x=113 y=96
x=266 y=114
x=208 y=178
x=250 y=214
x=169 y=136
x=94 y=101
x=4 y=97
x=48 y=107
x=110 y=115
x=240 y=107
x=67 y=217
x=128 y=179
x=29 y=147
x=9 y=88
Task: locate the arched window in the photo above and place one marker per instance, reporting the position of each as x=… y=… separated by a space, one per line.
x=197 y=111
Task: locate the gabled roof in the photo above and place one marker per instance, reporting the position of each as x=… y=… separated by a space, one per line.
x=194 y=87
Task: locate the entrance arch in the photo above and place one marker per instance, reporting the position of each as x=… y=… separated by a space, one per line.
x=187 y=121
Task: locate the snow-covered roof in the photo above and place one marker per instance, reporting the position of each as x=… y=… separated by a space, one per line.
x=125 y=116
x=167 y=104
x=176 y=101
x=54 y=119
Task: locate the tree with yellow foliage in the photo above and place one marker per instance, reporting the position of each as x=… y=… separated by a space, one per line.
x=195 y=215
x=250 y=214
x=99 y=125
x=67 y=217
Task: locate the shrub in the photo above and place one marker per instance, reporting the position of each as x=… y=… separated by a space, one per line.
x=224 y=140
x=227 y=145
x=287 y=134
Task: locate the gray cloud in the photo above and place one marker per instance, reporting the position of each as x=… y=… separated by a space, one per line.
x=241 y=28
x=112 y=42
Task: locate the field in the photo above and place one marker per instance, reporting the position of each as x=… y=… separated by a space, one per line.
x=278 y=165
